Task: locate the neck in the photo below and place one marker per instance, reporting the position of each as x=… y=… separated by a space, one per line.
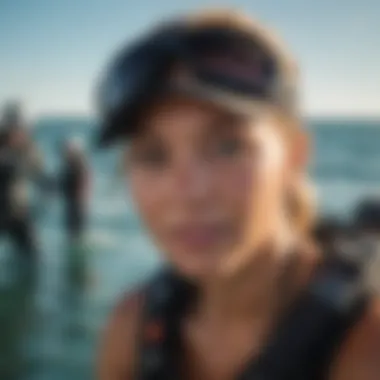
x=260 y=288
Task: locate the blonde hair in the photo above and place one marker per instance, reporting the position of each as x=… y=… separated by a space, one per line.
x=302 y=200
x=302 y=207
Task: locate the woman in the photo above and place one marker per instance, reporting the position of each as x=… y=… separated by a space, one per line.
x=216 y=164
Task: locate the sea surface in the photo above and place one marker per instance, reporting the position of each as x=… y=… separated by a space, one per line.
x=50 y=327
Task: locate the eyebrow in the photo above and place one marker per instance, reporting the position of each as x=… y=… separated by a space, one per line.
x=228 y=121
x=146 y=137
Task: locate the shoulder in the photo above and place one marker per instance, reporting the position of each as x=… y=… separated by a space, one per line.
x=119 y=348
x=119 y=344
x=359 y=357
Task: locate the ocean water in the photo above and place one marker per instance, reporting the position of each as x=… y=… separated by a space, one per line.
x=49 y=328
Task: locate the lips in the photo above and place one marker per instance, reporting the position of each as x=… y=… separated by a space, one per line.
x=199 y=236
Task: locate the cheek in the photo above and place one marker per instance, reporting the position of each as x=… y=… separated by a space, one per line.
x=152 y=198
x=146 y=200
x=258 y=181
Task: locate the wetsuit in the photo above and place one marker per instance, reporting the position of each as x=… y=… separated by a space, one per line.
x=74 y=180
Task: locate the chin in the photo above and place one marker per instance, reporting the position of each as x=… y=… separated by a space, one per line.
x=198 y=268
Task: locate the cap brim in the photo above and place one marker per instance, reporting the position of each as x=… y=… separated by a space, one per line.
x=227 y=100
x=116 y=126
x=119 y=126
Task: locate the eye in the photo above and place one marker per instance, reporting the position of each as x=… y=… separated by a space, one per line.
x=229 y=146
x=152 y=157
x=228 y=136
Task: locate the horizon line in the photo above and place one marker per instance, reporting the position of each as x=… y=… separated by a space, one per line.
x=328 y=116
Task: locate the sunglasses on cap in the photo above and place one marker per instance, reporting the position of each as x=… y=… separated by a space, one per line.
x=229 y=62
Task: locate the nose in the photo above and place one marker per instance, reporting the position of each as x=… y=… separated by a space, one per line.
x=193 y=182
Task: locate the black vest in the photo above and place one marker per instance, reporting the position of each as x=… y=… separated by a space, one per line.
x=302 y=347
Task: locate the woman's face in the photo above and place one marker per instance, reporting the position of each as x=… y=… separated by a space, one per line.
x=208 y=184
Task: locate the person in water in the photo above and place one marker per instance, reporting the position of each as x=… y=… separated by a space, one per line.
x=216 y=161
x=74 y=181
x=20 y=161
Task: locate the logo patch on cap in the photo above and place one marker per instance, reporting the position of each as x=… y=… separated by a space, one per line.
x=240 y=69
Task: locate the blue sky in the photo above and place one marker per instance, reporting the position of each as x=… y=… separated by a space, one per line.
x=51 y=51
